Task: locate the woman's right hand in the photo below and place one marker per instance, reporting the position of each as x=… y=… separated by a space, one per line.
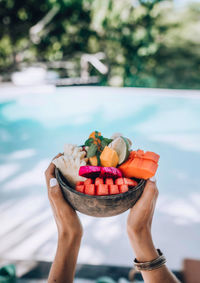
x=139 y=223
x=139 y=232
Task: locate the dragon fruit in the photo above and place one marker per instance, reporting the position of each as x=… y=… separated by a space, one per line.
x=110 y=172
x=90 y=171
x=98 y=171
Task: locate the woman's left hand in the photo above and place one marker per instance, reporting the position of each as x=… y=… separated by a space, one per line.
x=69 y=231
x=66 y=218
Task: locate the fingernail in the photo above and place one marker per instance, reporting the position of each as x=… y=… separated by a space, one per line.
x=152 y=179
x=53 y=182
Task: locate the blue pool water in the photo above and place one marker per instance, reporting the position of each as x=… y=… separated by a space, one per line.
x=35 y=126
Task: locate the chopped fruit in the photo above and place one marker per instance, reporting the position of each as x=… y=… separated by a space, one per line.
x=79 y=183
x=109 y=181
x=141 y=165
x=125 y=181
x=98 y=181
x=109 y=157
x=88 y=182
x=152 y=156
x=110 y=172
x=130 y=182
x=119 y=181
x=114 y=189
x=123 y=188
x=132 y=154
x=89 y=171
x=102 y=189
x=121 y=146
x=90 y=189
x=98 y=171
x=93 y=160
x=107 y=186
x=80 y=188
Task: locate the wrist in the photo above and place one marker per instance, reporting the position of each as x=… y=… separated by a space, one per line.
x=142 y=234
x=66 y=236
x=143 y=245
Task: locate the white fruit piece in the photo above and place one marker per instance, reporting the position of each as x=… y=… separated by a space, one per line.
x=70 y=162
x=116 y=135
x=121 y=146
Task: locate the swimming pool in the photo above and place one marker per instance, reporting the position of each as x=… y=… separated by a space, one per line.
x=34 y=125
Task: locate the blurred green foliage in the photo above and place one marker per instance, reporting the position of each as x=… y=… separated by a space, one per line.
x=148 y=43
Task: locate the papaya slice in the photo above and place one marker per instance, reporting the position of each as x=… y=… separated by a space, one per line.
x=140 y=165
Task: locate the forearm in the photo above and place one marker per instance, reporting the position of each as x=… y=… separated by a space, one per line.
x=64 y=265
x=145 y=250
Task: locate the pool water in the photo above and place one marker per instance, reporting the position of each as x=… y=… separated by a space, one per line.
x=34 y=126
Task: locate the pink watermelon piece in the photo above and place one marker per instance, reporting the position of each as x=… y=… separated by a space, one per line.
x=110 y=172
x=90 y=171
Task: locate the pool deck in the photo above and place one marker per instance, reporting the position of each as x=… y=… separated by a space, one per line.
x=29 y=231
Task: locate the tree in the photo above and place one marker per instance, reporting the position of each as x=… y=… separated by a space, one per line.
x=146 y=42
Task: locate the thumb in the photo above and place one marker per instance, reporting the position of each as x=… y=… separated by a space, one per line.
x=54 y=192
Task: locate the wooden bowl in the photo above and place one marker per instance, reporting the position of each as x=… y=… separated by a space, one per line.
x=100 y=206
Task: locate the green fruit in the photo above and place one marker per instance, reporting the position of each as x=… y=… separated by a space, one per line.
x=128 y=142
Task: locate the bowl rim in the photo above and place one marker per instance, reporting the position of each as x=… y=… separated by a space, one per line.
x=60 y=177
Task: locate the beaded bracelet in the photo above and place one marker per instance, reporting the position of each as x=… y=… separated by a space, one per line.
x=151 y=265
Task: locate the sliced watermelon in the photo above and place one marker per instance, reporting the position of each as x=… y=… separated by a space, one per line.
x=80 y=188
x=123 y=188
x=130 y=182
x=109 y=181
x=90 y=189
x=98 y=181
x=114 y=189
x=110 y=172
x=88 y=181
x=119 y=181
x=90 y=171
x=79 y=183
x=125 y=181
x=102 y=189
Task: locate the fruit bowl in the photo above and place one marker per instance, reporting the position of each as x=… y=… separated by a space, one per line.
x=100 y=206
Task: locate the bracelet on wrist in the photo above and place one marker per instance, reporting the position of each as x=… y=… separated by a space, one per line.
x=150 y=265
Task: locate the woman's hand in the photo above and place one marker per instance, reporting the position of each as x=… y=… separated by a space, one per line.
x=66 y=218
x=141 y=214
x=139 y=223
x=69 y=232
x=139 y=232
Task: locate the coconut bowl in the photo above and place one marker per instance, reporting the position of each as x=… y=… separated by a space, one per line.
x=100 y=206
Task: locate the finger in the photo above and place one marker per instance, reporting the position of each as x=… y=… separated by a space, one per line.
x=54 y=192
x=150 y=191
x=147 y=200
x=59 y=204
